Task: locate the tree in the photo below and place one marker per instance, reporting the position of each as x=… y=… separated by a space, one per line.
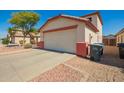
x=25 y=21
x=12 y=32
x=5 y=41
x=32 y=34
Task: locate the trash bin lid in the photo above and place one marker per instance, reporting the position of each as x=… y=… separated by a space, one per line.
x=101 y=44
x=97 y=45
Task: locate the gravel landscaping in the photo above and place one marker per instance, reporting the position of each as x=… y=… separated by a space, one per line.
x=97 y=71
x=60 y=73
x=71 y=71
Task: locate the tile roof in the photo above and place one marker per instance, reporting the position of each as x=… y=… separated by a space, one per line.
x=109 y=37
x=86 y=21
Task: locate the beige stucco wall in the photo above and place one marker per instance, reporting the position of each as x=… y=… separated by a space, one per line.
x=88 y=34
x=60 y=22
x=94 y=19
x=120 y=38
x=64 y=40
x=64 y=22
x=97 y=23
x=17 y=39
x=100 y=35
x=81 y=33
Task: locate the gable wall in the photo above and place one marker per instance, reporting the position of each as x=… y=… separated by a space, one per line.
x=120 y=38
x=94 y=19
x=59 y=23
x=99 y=26
x=64 y=22
x=96 y=22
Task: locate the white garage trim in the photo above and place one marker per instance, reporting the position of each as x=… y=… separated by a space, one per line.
x=61 y=29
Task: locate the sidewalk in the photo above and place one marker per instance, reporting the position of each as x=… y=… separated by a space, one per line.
x=13 y=52
x=111 y=57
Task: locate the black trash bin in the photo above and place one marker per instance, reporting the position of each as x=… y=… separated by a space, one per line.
x=121 y=50
x=96 y=51
x=101 y=44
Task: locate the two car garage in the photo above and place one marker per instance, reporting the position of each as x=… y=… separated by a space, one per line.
x=68 y=34
x=61 y=40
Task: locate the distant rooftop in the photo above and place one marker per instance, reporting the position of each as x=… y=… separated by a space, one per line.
x=111 y=36
x=121 y=31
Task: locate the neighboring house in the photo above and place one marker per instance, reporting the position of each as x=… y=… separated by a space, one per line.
x=120 y=36
x=64 y=32
x=109 y=40
x=19 y=36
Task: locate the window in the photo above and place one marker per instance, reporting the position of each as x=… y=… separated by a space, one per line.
x=90 y=19
x=118 y=39
x=121 y=39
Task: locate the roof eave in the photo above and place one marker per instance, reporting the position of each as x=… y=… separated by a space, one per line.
x=95 y=13
x=81 y=20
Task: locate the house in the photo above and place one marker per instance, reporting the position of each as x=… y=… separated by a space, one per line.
x=71 y=33
x=19 y=36
x=109 y=40
x=120 y=36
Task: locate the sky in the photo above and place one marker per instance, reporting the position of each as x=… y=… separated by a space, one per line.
x=113 y=20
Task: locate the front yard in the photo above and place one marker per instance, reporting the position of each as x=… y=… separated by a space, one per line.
x=78 y=69
x=109 y=69
x=9 y=49
x=44 y=66
x=23 y=66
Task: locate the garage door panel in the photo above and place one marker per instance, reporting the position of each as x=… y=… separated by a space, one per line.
x=61 y=40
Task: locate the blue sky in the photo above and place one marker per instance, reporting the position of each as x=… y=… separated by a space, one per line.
x=113 y=20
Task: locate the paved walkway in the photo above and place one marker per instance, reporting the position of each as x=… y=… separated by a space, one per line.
x=111 y=57
x=26 y=65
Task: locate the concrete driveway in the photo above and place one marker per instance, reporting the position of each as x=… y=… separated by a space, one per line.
x=26 y=65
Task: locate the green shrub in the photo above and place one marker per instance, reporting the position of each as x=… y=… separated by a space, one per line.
x=5 y=41
x=32 y=41
x=22 y=42
x=28 y=45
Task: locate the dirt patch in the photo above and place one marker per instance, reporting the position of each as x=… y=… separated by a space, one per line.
x=10 y=49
